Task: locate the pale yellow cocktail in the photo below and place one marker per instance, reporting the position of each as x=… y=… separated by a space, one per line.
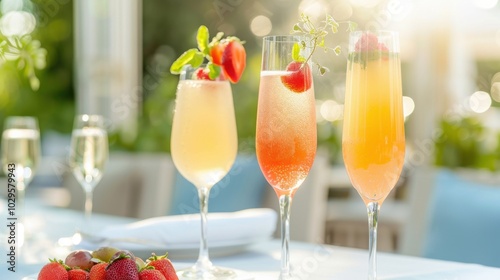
x=204 y=139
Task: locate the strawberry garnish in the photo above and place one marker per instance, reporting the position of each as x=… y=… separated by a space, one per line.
x=201 y=74
x=98 y=271
x=216 y=53
x=369 y=42
x=234 y=61
x=164 y=265
x=225 y=55
x=78 y=274
x=55 y=270
x=299 y=78
x=150 y=273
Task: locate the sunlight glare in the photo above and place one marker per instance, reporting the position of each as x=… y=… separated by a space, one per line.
x=485 y=4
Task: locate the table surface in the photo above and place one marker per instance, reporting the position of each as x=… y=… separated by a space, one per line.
x=45 y=225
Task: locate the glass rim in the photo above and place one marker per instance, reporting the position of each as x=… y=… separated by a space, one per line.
x=188 y=70
x=22 y=121
x=284 y=38
x=375 y=32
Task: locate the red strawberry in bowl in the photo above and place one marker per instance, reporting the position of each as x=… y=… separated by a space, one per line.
x=150 y=273
x=164 y=265
x=122 y=267
x=54 y=270
x=78 y=274
x=299 y=78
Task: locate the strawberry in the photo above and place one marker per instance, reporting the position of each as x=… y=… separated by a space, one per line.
x=369 y=42
x=201 y=74
x=122 y=267
x=164 y=265
x=150 y=273
x=78 y=274
x=216 y=53
x=54 y=270
x=300 y=77
x=98 y=271
x=234 y=61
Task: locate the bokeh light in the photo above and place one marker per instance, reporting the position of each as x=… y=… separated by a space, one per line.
x=342 y=10
x=365 y=3
x=480 y=101
x=261 y=26
x=495 y=91
x=485 y=4
x=408 y=106
x=314 y=8
x=331 y=110
x=17 y=23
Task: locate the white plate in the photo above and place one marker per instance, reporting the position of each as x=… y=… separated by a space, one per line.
x=191 y=251
x=31 y=277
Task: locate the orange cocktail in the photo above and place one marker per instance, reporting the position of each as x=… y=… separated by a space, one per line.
x=373 y=141
x=373 y=135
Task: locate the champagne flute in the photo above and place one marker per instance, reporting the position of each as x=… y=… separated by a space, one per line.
x=286 y=127
x=20 y=156
x=204 y=147
x=88 y=156
x=373 y=140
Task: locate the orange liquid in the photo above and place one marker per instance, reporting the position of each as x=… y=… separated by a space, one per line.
x=373 y=143
x=286 y=134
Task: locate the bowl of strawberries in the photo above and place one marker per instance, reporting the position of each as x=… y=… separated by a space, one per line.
x=107 y=263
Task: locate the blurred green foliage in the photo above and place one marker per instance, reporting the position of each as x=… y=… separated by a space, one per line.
x=466 y=142
x=169 y=28
x=53 y=102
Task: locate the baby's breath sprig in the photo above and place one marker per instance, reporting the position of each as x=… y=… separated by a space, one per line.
x=316 y=37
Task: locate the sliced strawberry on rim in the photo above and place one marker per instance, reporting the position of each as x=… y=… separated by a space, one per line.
x=216 y=53
x=300 y=77
x=233 y=61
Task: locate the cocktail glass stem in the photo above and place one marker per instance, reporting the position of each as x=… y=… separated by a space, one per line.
x=372 y=209
x=88 y=205
x=203 y=262
x=285 y=202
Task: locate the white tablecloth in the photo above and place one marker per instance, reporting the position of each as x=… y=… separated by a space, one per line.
x=45 y=225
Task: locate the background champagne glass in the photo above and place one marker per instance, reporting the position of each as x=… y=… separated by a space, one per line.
x=286 y=131
x=204 y=147
x=373 y=141
x=88 y=156
x=21 y=147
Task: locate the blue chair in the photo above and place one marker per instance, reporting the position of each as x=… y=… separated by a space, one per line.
x=463 y=221
x=243 y=187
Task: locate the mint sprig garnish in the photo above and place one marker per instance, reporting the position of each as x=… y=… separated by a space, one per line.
x=197 y=56
x=316 y=36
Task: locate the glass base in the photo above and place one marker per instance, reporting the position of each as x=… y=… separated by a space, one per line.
x=214 y=273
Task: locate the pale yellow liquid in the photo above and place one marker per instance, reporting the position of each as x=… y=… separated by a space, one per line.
x=204 y=139
x=89 y=154
x=373 y=141
x=22 y=148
